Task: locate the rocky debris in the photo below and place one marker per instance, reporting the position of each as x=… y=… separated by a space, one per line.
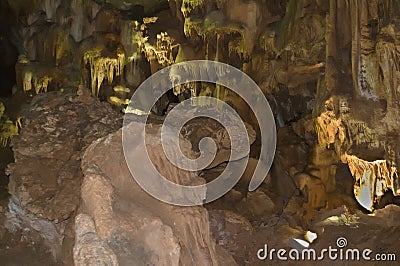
x=136 y=226
x=390 y=215
x=46 y=174
x=361 y=231
x=243 y=234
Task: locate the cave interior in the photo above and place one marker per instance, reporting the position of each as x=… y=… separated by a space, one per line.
x=68 y=76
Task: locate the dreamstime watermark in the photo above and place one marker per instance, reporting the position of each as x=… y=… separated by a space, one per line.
x=150 y=91
x=336 y=253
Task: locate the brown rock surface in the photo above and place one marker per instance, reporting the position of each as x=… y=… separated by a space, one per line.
x=46 y=175
x=137 y=227
x=330 y=70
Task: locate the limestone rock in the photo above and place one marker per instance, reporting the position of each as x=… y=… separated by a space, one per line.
x=206 y=127
x=258 y=203
x=137 y=227
x=89 y=249
x=44 y=178
x=372 y=179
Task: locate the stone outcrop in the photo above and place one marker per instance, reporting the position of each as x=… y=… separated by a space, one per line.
x=46 y=176
x=132 y=225
x=85 y=206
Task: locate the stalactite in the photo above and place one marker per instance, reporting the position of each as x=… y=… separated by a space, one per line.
x=160 y=54
x=214 y=25
x=364 y=68
x=103 y=68
x=38 y=84
x=372 y=180
x=388 y=57
x=8 y=128
x=267 y=43
x=41 y=84
x=50 y=7
x=78 y=8
x=331 y=47
x=193 y=26
x=189 y=5
x=133 y=39
x=207 y=50
x=61 y=46
x=217 y=52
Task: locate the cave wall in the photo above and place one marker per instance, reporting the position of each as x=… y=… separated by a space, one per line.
x=329 y=69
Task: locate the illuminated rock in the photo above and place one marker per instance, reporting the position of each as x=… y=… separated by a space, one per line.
x=372 y=180
x=38 y=84
x=161 y=52
x=103 y=68
x=328 y=126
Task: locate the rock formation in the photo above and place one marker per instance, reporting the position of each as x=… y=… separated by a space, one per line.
x=329 y=69
x=139 y=228
x=45 y=178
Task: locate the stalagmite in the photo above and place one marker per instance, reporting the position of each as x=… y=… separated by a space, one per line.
x=328 y=126
x=27 y=84
x=349 y=131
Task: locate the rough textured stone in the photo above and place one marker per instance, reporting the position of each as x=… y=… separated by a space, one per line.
x=46 y=176
x=329 y=69
x=137 y=227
